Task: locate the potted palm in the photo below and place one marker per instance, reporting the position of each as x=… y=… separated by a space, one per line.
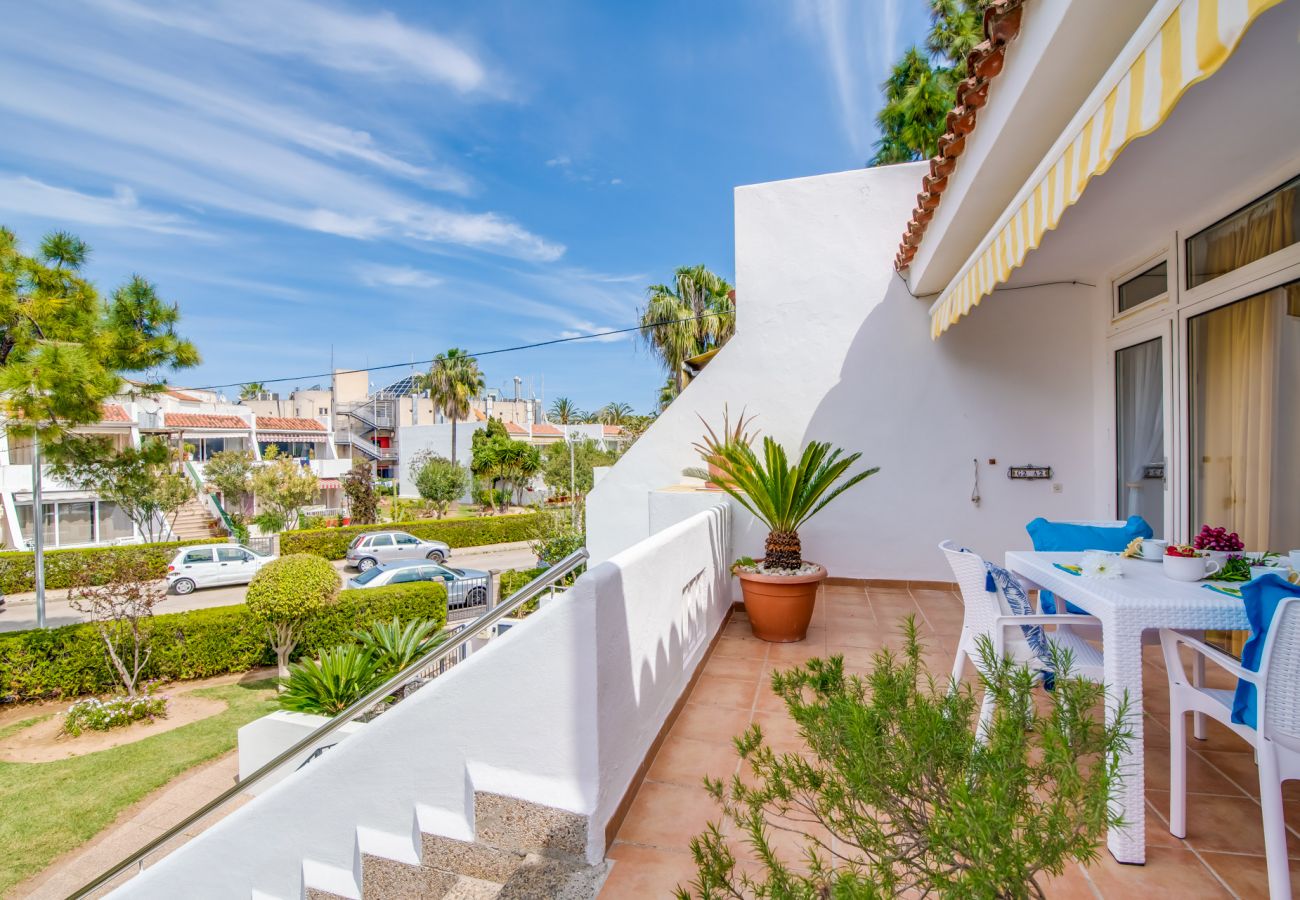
x=780 y=589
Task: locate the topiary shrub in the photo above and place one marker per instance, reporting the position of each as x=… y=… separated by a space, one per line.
x=332 y=543
x=284 y=594
x=201 y=643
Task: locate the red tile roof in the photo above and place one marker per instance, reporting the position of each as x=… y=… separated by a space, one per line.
x=1001 y=25
x=613 y=429
x=279 y=423
x=114 y=412
x=512 y=428
x=547 y=429
x=479 y=415
x=200 y=420
x=172 y=392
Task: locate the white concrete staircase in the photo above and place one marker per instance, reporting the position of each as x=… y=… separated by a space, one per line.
x=518 y=850
x=194 y=523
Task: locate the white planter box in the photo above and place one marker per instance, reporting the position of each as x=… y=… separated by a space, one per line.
x=262 y=740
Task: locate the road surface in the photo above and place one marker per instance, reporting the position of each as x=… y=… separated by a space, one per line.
x=20 y=612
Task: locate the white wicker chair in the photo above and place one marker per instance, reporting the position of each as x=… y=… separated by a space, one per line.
x=987 y=614
x=1276 y=741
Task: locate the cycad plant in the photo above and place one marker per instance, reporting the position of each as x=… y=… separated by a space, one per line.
x=395 y=646
x=329 y=685
x=782 y=496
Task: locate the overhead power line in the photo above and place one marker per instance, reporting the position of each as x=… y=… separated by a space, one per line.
x=427 y=362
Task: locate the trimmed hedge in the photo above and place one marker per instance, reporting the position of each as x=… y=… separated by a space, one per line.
x=512 y=580
x=64 y=567
x=70 y=661
x=332 y=543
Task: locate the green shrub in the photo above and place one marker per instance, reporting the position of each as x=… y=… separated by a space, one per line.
x=395 y=646
x=65 y=568
x=70 y=661
x=332 y=543
x=287 y=592
x=326 y=687
x=512 y=580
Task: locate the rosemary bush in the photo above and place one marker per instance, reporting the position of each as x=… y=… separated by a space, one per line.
x=917 y=805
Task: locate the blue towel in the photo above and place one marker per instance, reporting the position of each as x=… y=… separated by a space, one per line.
x=1262 y=598
x=1070 y=538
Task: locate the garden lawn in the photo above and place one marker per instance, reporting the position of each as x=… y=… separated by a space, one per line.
x=47 y=809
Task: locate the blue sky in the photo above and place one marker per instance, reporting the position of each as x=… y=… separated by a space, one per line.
x=394 y=179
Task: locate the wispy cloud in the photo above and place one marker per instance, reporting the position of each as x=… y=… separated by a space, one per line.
x=377 y=43
x=858 y=42
x=220 y=164
x=376 y=275
x=27 y=196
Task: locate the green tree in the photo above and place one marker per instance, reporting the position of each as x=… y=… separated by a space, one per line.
x=252 y=390
x=614 y=414
x=453 y=381
x=63 y=349
x=282 y=486
x=922 y=86
x=363 y=498
x=587 y=454
x=145 y=482
x=503 y=463
x=564 y=411
x=439 y=481
x=230 y=472
x=693 y=314
x=285 y=593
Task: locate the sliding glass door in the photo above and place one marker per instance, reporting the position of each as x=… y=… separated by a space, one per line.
x=1140 y=432
x=1244 y=391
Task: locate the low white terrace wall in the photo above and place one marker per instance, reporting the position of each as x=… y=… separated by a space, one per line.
x=560 y=710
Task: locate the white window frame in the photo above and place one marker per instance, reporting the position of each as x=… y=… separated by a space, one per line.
x=1148 y=309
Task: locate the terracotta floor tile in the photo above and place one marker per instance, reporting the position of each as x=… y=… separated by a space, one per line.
x=644 y=872
x=1072 y=884
x=686 y=761
x=1247 y=876
x=668 y=815
x=1168 y=873
x=796 y=652
x=742 y=648
x=734 y=667
x=854 y=657
x=733 y=693
x=1202 y=778
x=1225 y=824
x=710 y=723
x=779 y=730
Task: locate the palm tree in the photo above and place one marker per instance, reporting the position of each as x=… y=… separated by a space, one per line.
x=694 y=314
x=614 y=413
x=453 y=381
x=922 y=86
x=252 y=390
x=564 y=411
x=667 y=393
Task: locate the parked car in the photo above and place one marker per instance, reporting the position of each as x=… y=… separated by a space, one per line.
x=465 y=587
x=375 y=547
x=213 y=565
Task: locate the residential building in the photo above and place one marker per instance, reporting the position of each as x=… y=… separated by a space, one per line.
x=1097 y=277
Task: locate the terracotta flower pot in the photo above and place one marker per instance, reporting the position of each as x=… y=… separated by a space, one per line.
x=780 y=606
x=715 y=475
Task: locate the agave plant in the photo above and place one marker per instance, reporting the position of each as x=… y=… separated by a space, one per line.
x=782 y=496
x=329 y=685
x=395 y=646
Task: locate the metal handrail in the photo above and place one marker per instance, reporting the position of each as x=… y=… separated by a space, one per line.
x=410 y=673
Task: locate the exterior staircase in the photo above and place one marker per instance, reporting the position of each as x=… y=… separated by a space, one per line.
x=519 y=850
x=193 y=522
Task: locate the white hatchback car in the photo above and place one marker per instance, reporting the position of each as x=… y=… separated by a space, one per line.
x=213 y=565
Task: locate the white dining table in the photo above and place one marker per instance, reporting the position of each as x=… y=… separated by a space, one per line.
x=1140 y=600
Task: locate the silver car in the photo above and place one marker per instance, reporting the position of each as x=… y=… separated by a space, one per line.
x=374 y=547
x=465 y=587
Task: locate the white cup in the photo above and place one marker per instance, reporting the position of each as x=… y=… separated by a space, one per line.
x=1153 y=548
x=1190 y=568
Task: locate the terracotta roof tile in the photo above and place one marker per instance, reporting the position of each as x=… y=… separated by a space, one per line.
x=178 y=395
x=114 y=412
x=479 y=415
x=985 y=61
x=613 y=429
x=512 y=428
x=287 y=423
x=546 y=428
x=201 y=420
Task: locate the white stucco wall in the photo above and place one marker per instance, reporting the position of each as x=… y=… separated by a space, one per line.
x=831 y=346
x=412 y=439
x=560 y=710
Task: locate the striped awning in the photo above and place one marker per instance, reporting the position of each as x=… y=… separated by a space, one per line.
x=328 y=484
x=300 y=437
x=1187 y=41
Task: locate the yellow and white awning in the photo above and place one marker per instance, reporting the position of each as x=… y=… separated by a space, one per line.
x=1191 y=41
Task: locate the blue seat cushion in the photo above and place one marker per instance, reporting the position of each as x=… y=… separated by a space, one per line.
x=1069 y=537
x=1261 y=598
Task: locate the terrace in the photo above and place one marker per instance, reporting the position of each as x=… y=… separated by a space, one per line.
x=1221 y=857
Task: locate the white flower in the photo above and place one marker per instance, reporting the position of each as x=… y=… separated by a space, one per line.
x=1097 y=564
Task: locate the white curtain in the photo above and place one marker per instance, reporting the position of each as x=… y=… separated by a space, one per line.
x=1140 y=382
